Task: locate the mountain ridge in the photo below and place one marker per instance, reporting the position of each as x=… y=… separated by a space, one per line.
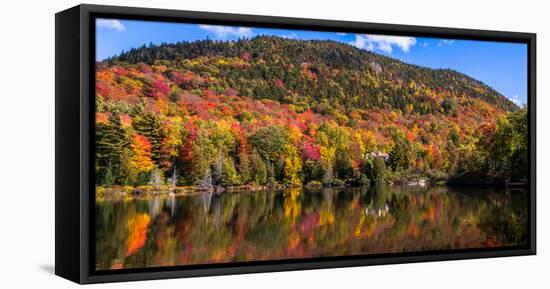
x=320 y=53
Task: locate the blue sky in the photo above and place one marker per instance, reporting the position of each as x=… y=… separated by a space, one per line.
x=502 y=66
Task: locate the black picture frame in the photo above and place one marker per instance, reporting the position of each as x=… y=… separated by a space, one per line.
x=75 y=122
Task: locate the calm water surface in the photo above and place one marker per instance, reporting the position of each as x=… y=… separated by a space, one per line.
x=301 y=223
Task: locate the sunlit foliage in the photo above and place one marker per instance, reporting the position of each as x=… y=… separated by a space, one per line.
x=273 y=111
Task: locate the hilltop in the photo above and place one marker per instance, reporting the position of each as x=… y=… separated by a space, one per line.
x=343 y=74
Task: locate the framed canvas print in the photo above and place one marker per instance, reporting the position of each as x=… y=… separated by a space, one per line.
x=193 y=144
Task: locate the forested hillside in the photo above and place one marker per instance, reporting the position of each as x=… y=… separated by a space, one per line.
x=313 y=72
x=270 y=110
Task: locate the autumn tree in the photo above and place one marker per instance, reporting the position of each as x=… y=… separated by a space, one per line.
x=141 y=160
x=399 y=156
x=148 y=124
x=157 y=89
x=334 y=141
x=508 y=147
x=293 y=166
x=449 y=106
x=210 y=151
x=270 y=143
x=222 y=141
x=243 y=156
x=170 y=146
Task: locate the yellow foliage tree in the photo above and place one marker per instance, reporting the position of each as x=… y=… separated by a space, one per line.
x=293 y=166
x=141 y=160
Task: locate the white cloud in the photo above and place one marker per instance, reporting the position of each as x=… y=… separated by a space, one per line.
x=289 y=36
x=341 y=33
x=110 y=24
x=383 y=43
x=226 y=31
x=445 y=42
x=517 y=100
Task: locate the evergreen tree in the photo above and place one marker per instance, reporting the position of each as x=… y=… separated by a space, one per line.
x=375 y=169
x=146 y=123
x=399 y=157
x=127 y=173
x=258 y=170
x=111 y=140
x=229 y=173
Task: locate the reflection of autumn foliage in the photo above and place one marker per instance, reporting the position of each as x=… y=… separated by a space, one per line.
x=326 y=217
x=165 y=240
x=292 y=205
x=302 y=224
x=137 y=228
x=309 y=223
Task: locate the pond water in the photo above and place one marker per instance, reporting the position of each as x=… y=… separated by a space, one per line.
x=301 y=223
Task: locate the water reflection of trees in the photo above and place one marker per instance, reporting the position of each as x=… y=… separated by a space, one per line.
x=507 y=218
x=295 y=224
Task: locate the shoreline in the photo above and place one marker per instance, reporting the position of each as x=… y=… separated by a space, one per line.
x=130 y=192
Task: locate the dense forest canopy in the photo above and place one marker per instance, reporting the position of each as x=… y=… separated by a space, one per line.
x=272 y=110
x=342 y=74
